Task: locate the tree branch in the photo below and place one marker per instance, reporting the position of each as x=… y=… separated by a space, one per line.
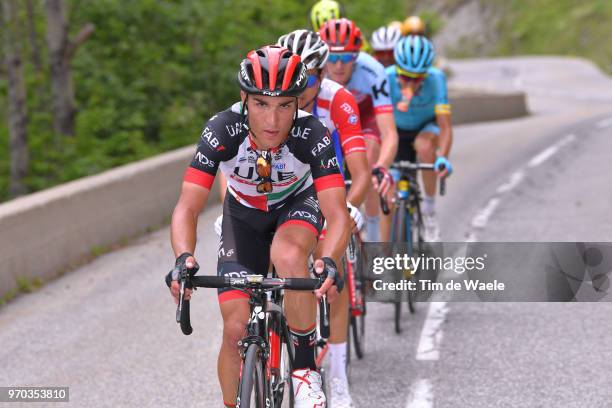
x=86 y=31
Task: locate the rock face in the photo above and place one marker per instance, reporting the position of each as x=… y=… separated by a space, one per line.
x=469 y=27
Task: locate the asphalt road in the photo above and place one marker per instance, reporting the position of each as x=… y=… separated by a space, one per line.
x=107 y=330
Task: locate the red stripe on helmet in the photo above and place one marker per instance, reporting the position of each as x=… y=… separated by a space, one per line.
x=274 y=56
x=344 y=30
x=331 y=25
x=289 y=70
x=254 y=58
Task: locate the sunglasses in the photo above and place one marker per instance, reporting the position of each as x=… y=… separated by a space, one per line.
x=344 y=57
x=410 y=79
x=263 y=167
x=312 y=80
x=407 y=75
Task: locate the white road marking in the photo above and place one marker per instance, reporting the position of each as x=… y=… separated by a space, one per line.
x=431 y=335
x=421 y=394
x=550 y=151
x=482 y=217
x=604 y=123
x=543 y=156
x=514 y=181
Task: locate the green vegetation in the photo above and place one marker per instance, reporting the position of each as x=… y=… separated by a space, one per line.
x=150 y=75
x=562 y=27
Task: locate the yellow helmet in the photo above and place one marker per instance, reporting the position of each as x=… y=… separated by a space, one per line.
x=413 y=25
x=323 y=11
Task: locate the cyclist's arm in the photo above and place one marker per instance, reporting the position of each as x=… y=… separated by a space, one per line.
x=383 y=110
x=197 y=183
x=345 y=115
x=185 y=217
x=446 y=134
x=389 y=139
x=333 y=207
x=357 y=164
x=443 y=114
x=319 y=152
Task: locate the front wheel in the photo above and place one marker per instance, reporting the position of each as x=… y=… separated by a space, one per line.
x=251 y=390
x=281 y=383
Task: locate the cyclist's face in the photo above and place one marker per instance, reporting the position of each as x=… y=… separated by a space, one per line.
x=270 y=118
x=408 y=84
x=314 y=82
x=385 y=57
x=340 y=71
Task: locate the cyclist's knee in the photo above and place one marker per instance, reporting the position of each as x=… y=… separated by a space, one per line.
x=233 y=331
x=235 y=314
x=290 y=260
x=425 y=145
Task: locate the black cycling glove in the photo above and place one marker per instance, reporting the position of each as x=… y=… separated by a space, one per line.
x=180 y=266
x=330 y=270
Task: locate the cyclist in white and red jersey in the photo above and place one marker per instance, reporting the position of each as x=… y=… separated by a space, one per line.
x=271 y=154
x=337 y=109
x=365 y=77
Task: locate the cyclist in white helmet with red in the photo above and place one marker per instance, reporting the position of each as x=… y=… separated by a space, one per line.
x=383 y=41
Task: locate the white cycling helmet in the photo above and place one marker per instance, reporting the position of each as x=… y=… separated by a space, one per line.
x=308 y=45
x=385 y=38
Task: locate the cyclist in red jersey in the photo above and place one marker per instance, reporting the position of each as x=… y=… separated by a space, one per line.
x=337 y=109
x=277 y=185
x=365 y=77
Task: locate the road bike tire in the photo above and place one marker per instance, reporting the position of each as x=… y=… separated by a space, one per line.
x=399 y=236
x=251 y=389
x=411 y=295
x=417 y=249
x=286 y=369
x=357 y=323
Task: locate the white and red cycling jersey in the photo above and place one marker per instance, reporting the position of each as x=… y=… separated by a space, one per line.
x=370 y=87
x=337 y=108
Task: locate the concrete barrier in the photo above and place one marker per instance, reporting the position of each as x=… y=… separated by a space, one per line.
x=47 y=232
x=473 y=105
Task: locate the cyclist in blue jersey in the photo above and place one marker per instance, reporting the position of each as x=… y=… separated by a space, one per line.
x=423 y=117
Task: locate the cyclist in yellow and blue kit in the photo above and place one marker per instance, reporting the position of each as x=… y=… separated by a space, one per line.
x=422 y=116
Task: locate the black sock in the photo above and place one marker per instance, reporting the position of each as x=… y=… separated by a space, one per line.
x=304 y=344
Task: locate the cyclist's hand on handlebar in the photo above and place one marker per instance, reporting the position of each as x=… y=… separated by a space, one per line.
x=443 y=167
x=382 y=180
x=187 y=261
x=333 y=282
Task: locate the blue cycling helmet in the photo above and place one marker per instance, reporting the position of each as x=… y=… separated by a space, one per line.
x=414 y=54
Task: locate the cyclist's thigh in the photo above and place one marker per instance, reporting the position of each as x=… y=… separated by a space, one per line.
x=428 y=136
x=405 y=148
x=298 y=228
x=245 y=244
